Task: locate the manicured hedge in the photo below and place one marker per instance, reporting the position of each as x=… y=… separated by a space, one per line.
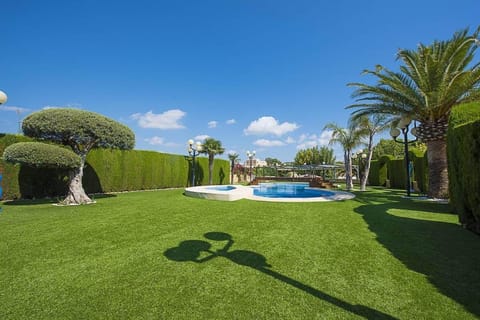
x=463 y=151
x=389 y=168
x=108 y=170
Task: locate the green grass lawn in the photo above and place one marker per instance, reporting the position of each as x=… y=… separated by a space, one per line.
x=161 y=255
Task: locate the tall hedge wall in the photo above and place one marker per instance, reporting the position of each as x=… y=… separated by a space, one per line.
x=387 y=167
x=463 y=150
x=109 y=170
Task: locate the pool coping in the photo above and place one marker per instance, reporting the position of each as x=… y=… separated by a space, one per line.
x=245 y=192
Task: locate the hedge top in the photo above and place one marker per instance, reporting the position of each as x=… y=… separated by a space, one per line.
x=78 y=127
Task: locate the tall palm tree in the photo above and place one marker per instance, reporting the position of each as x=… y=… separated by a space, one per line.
x=233 y=157
x=432 y=79
x=211 y=147
x=370 y=125
x=349 y=139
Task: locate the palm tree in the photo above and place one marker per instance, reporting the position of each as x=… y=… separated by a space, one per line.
x=370 y=125
x=349 y=138
x=432 y=79
x=233 y=157
x=211 y=147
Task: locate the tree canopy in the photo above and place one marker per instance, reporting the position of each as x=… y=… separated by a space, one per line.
x=36 y=154
x=78 y=129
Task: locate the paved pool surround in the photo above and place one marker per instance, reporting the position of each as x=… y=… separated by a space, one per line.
x=237 y=192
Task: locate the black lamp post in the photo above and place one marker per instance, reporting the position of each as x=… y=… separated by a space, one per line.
x=193 y=150
x=251 y=156
x=403 y=127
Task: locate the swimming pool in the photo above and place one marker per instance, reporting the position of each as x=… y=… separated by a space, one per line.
x=289 y=190
x=273 y=192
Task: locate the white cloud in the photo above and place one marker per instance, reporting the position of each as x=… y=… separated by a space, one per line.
x=159 y=141
x=167 y=120
x=155 y=140
x=290 y=140
x=201 y=137
x=212 y=124
x=14 y=109
x=269 y=143
x=269 y=125
x=231 y=121
x=307 y=141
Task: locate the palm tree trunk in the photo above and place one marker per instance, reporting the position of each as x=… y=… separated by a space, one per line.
x=366 y=171
x=348 y=170
x=437 y=169
x=210 y=168
x=76 y=193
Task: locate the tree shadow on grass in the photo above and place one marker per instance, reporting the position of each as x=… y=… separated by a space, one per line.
x=447 y=254
x=199 y=251
x=32 y=202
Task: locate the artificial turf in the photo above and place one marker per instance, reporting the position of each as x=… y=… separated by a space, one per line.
x=161 y=255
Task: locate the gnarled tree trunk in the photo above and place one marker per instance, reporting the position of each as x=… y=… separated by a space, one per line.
x=76 y=193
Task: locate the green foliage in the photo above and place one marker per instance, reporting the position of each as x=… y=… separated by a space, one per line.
x=387 y=147
x=41 y=155
x=10 y=171
x=315 y=155
x=464 y=165
x=78 y=129
x=108 y=170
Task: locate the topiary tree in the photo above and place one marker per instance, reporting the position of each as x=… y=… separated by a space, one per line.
x=78 y=129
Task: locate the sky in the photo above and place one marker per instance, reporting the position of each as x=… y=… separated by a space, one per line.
x=255 y=74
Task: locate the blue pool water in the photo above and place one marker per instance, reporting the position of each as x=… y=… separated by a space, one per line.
x=222 y=188
x=289 y=190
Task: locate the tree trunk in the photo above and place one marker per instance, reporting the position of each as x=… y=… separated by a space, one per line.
x=348 y=171
x=76 y=193
x=210 y=169
x=366 y=171
x=437 y=169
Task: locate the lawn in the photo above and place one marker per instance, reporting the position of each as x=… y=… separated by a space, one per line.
x=161 y=255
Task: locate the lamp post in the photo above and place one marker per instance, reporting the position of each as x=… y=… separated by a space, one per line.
x=251 y=156
x=403 y=127
x=3 y=99
x=193 y=150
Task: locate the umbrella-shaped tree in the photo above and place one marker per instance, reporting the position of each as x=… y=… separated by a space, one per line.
x=78 y=129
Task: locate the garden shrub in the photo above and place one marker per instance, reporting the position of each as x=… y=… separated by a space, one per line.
x=463 y=150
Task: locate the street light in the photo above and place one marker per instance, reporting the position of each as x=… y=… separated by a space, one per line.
x=395 y=132
x=193 y=150
x=250 y=156
x=3 y=97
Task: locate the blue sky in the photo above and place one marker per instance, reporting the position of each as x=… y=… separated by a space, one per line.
x=254 y=74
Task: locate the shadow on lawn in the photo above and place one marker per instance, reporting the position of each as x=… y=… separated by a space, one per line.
x=444 y=252
x=192 y=250
x=31 y=202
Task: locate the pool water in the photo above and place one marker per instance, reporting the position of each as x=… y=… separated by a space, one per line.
x=289 y=190
x=221 y=188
